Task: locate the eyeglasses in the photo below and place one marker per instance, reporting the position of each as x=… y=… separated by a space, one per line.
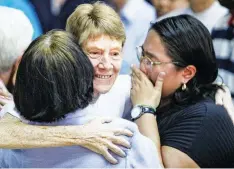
x=148 y=62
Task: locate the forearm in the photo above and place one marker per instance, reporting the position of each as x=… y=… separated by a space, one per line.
x=15 y=134
x=148 y=127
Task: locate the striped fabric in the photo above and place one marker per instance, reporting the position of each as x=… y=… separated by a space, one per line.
x=223 y=39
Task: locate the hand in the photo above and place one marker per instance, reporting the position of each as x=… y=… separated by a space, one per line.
x=5 y=96
x=143 y=91
x=99 y=139
x=224 y=98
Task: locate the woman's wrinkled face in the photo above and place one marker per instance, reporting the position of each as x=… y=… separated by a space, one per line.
x=155 y=50
x=105 y=54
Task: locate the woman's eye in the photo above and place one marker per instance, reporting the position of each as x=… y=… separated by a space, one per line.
x=94 y=53
x=116 y=55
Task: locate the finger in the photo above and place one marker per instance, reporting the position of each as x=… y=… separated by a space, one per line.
x=226 y=89
x=218 y=97
x=135 y=83
x=5 y=94
x=124 y=132
x=109 y=157
x=159 y=82
x=106 y=120
x=121 y=141
x=115 y=149
x=3 y=100
x=136 y=72
x=101 y=120
x=134 y=90
x=3 y=87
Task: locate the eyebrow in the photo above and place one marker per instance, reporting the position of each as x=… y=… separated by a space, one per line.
x=150 y=54
x=99 y=48
x=116 y=48
x=94 y=48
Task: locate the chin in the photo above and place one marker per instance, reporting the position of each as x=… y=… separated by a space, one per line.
x=102 y=89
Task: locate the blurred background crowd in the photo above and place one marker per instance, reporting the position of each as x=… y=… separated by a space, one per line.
x=137 y=15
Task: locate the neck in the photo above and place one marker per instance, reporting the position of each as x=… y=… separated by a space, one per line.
x=5 y=77
x=164 y=104
x=95 y=97
x=198 y=6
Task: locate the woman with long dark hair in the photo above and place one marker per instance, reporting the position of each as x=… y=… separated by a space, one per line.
x=193 y=130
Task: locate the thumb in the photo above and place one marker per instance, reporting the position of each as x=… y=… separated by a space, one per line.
x=159 y=81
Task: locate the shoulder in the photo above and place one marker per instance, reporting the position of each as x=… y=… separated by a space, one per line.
x=216 y=113
x=173 y=13
x=215 y=138
x=122 y=83
x=204 y=109
x=149 y=10
x=179 y=129
x=199 y=130
x=222 y=23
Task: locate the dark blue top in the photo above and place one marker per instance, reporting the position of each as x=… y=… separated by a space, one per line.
x=204 y=131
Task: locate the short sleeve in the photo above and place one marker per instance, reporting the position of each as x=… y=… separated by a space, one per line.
x=204 y=132
x=180 y=129
x=214 y=144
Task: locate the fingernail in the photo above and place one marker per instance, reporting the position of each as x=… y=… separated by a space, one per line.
x=129 y=146
x=123 y=154
x=115 y=161
x=161 y=75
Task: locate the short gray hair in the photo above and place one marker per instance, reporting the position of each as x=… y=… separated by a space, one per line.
x=92 y=20
x=16 y=33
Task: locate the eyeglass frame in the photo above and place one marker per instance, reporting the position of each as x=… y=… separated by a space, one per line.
x=141 y=56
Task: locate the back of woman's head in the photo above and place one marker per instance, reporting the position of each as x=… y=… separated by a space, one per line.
x=188 y=41
x=54 y=78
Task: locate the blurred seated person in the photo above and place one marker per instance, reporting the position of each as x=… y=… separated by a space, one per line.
x=45 y=95
x=165 y=6
x=202 y=10
x=28 y=9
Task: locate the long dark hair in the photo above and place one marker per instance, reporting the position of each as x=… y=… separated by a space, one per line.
x=188 y=42
x=54 y=78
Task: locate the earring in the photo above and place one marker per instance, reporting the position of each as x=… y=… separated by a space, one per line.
x=184 y=87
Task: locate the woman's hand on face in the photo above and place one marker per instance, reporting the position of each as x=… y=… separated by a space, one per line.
x=143 y=91
x=223 y=97
x=100 y=139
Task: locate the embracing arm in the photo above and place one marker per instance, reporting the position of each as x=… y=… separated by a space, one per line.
x=15 y=134
x=94 y=136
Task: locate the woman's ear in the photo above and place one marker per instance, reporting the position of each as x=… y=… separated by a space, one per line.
x=188 y=73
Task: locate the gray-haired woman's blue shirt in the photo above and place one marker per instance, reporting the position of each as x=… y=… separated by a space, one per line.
x=143 y=152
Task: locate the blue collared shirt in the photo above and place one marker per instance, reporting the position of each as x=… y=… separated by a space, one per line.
x=143 y=153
